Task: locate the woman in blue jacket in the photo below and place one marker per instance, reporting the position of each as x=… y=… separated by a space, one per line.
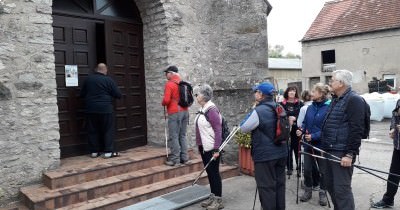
x=311 y=129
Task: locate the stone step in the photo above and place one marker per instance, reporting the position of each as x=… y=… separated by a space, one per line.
x=41 y=197
x=132 y=196
x=84 y=169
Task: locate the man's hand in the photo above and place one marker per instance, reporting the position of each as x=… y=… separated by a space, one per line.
x=346 y=161
x=307 y=137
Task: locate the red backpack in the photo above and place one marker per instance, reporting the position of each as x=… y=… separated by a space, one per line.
x=282 y=131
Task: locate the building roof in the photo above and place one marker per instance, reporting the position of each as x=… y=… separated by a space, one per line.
x=284 y=63
x=346 y=17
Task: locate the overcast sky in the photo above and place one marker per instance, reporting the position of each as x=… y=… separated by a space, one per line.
x=289 y=20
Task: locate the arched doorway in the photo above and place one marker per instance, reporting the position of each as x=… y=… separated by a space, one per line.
x=87 y=32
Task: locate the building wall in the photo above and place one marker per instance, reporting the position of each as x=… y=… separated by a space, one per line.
x=375 y=54
x=29 y=130
x=284 y=76
x=223 y=43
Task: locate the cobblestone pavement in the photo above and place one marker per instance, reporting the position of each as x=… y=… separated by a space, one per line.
x=238 y=192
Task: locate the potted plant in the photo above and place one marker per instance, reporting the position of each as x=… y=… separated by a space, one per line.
x=245 y=161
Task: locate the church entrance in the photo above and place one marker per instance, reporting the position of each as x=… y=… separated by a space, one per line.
x=87 y=32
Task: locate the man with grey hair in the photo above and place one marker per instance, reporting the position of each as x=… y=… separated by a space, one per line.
x=342 y=131
x=178 y=119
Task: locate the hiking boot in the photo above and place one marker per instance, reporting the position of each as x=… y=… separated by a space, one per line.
x=289 y=172
x=187 y=162
x=381 y=205
x=323 y=200
x=216 y=204
x=316 y=188
x=306 y=195
x=208 y=201
x=107 y=155
x=171 y=163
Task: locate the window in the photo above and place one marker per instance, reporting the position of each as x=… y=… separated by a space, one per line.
x=328 y=61
x=391 y=80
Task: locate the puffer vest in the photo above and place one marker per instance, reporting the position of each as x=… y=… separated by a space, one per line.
x=262 y=143
x=335 y=128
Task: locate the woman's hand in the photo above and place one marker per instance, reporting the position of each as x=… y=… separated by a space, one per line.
x=215 y=155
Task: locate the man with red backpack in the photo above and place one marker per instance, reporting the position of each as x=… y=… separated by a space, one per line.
x=178 y=119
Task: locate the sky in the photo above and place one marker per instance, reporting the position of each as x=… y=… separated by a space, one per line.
x=289 y=20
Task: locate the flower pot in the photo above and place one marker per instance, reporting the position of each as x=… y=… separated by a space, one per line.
x=246 y=163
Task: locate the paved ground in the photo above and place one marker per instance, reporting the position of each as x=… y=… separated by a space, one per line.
x=238 y=192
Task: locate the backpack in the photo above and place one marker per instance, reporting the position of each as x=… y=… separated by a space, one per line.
x=367 y=121
x=185 y=94
x=282 y=131
x=225 y=131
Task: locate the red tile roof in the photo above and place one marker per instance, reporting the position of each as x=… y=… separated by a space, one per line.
x=345 y=17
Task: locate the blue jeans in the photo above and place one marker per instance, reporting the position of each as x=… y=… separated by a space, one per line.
x=177 y=126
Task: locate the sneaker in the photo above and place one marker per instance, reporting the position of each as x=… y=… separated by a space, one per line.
x=94 y=155
x=315 y=188
x=187 y=162
x=107 y=155
x=216 y=204
x=171 y=163
x=208 y=202
x=381 y=205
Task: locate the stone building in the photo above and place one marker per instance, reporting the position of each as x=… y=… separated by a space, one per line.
x=361 y=36
x=222 y=42
x=285 y=72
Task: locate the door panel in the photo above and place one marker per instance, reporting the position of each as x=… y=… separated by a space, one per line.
x=74 y=44
x=124 y=53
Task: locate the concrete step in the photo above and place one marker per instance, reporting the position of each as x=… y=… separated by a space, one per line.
x=84 y=169
x=41 y=197
x=135 y=195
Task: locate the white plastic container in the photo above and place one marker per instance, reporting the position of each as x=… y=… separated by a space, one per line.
x=376 y=104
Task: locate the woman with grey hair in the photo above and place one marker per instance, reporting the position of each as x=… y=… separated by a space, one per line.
x=208 y=123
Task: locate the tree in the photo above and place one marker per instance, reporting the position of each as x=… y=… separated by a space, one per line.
x=276 y=52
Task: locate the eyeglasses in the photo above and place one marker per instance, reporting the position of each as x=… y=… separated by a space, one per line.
x=333 y=80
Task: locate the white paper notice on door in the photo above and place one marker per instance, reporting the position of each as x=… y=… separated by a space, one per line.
x=71 y=75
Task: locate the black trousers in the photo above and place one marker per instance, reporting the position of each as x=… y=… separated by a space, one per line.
x=310 y=166
x=271 y=181
x=293 y=149
x=101 y=131
x=338 y=183
x=214 y=178
x=391 y=189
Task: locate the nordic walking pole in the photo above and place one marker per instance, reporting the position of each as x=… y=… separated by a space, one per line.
x=255 y=197
x=298 y=167
x=357 y=166
x=372 y=169
x=230 y=136
x=165 y=133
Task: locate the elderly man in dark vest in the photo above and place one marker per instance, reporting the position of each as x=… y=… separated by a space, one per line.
x=341 y=136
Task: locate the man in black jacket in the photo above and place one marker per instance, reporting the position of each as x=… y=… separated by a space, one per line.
x=99 y=90
x=342 y=130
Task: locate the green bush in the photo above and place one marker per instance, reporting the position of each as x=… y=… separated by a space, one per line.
x=243 y=139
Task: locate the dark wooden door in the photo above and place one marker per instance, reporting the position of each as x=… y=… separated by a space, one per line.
x=124 y=54
x=74 y=44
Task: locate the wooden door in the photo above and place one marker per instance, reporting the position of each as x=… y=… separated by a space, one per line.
x=74 y=44
x=124 y=54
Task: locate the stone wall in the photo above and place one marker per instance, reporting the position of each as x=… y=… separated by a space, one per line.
x=221 y=42
x=29 y=131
